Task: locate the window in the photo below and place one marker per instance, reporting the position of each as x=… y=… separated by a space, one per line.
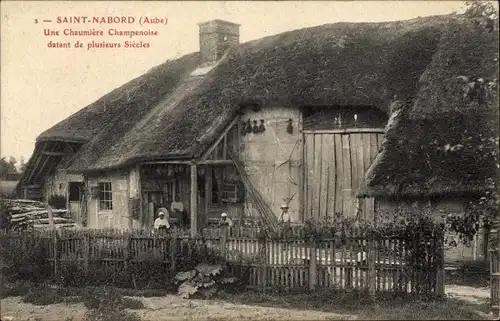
x=105 y=197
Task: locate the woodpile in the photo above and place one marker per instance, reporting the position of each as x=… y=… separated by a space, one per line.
x=25 y=214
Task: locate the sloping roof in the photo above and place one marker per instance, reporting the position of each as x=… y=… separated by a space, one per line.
x=335 y=64
x=441 y=143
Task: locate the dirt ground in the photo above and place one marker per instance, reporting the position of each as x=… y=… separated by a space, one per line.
x=171 y=308
x=468 y=293
x=165 y=308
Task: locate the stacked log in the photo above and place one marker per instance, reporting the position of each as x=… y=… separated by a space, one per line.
x=26 y=214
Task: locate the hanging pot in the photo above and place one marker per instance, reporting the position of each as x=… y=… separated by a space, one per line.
x=243 y=129
x=289 y=128
x=262 y=128
x=255 y=128
x=248 y=127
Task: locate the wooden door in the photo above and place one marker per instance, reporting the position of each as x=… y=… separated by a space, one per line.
x=75 y=200
x=335 y=163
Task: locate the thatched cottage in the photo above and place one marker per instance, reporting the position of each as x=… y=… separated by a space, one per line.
x=296 y=118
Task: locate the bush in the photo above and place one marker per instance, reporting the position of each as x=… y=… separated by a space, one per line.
x=205 y=279
x=18 y=288
x=151 y=272
x=43 y=295
x=25 y=260
x=109 y=304
x=5 y=217
x=72 y=273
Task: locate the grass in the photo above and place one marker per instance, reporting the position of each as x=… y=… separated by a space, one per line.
x=386 y=307
x=103 y=303
x=91 y=297
x=108 y=303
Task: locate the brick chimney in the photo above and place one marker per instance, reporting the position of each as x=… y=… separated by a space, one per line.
x=216 y=36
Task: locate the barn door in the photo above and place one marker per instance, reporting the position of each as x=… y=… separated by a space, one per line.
x=334 y=166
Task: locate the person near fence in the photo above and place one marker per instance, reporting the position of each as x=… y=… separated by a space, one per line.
x=225 y=221
x=285 y=222
x=178 y=210
x=161 y=222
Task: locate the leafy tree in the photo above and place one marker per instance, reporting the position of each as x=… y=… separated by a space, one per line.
x=22 y=165
x=7 y=167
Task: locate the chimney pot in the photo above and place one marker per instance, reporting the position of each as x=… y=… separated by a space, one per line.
x=216 y=37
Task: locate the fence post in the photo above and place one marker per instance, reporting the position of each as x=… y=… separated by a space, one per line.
x=495 y=273
x=313 y=269
x=223 y=242
x=173 y=252
x=86 y=251
x=126 y=250
x=57 y=253
x=263 y=263
x=372 y=272
x=440 y=276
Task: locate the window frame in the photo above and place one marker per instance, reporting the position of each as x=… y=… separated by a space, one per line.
x=103 y=192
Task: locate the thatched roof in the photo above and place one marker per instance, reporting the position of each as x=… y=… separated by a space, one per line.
x=442 y=143
x=168 y=114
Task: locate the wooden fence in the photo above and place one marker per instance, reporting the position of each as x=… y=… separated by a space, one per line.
x=394 y=264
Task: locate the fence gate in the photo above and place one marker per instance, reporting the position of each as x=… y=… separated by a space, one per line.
x=335 y=162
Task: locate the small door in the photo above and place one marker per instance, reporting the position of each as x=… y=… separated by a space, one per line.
x=75 y=198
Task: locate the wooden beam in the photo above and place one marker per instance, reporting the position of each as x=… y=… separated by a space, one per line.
x=194 y=200
x=165 y=162
x=224 y=133
x=48 y=153
x=35 y=167
x=208 y=191
x=217 y=162
x=345 y=131
x=47 y=172
x=224 y=147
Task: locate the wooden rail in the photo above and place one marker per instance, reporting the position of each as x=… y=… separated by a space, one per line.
x=356 y=263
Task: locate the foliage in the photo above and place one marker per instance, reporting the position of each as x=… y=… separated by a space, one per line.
x=204 y=279
x=357 y=304
x=400 y=222
x=108 y=304
x=198 y=253
x=483 y=211
x=7 y=167
x=43 y=295
x=152 y=272
x=17 y=288
x=149 y=273
x=5 y=217
x=24 y=260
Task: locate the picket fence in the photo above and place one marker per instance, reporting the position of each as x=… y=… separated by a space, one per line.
x=403 y=265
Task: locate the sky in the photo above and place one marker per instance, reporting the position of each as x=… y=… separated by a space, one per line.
x=41 y=86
